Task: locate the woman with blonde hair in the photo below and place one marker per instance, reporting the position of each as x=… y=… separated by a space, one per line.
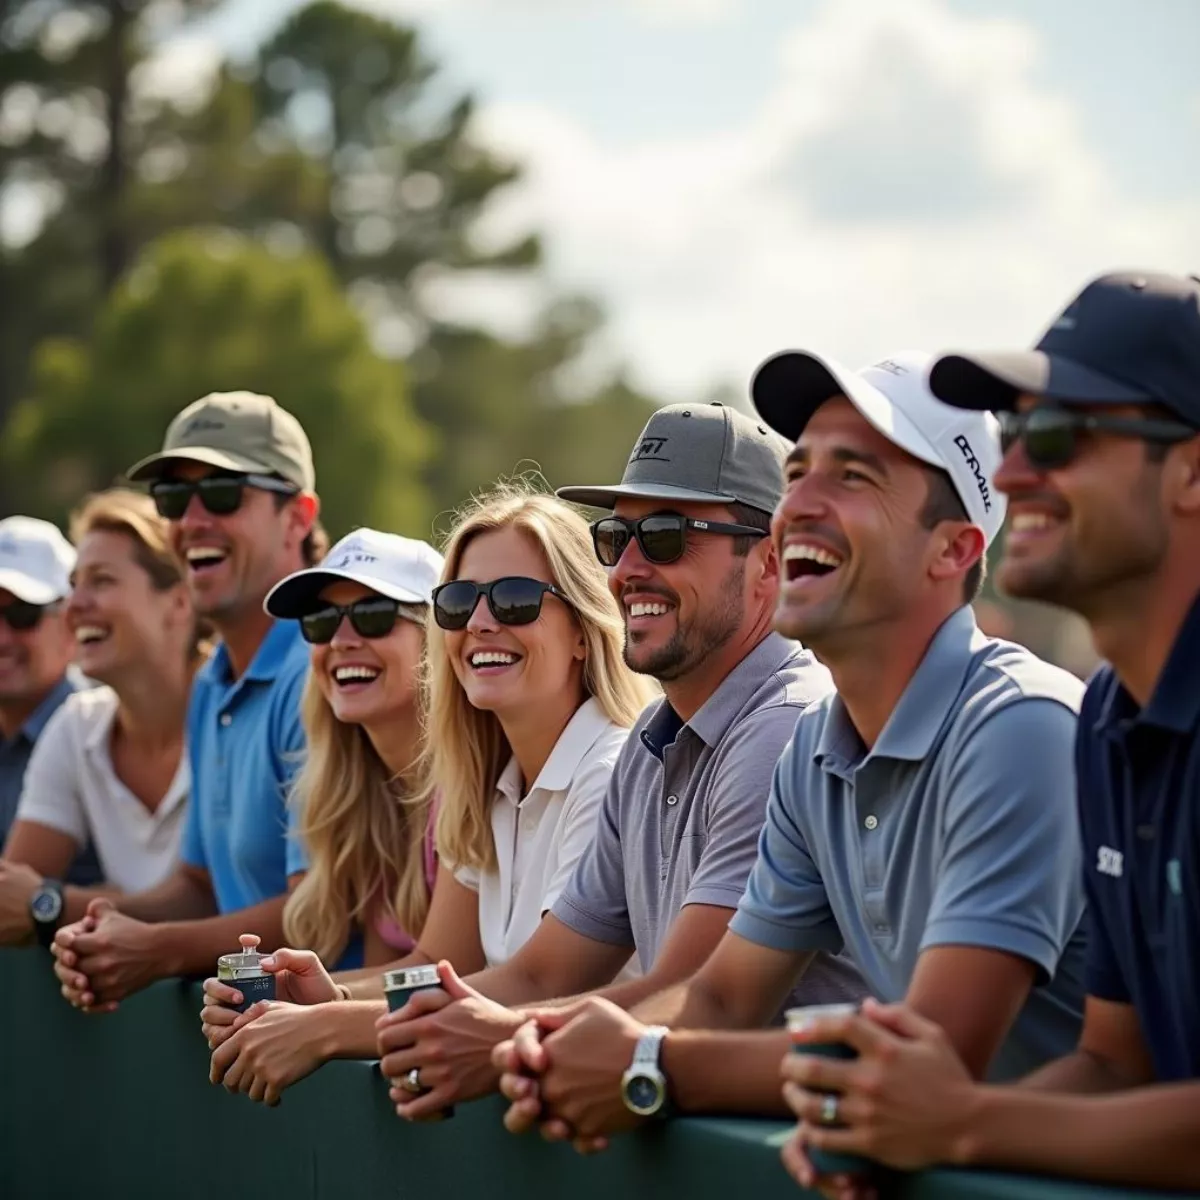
x=110 y=768
x=529 y=703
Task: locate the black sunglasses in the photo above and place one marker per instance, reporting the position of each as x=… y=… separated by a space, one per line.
x=1051 y=436
x=21 y=616
x=370 y=617
x=220 y=494
x=513 y=600
x=661 y=537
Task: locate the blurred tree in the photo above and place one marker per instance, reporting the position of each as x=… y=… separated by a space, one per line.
x=210 y=312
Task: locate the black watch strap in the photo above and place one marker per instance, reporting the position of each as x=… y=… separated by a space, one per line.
x=45 y=926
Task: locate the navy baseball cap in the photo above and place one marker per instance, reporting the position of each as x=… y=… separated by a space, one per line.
x=1128 y=338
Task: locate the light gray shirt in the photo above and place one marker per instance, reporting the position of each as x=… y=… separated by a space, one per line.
x=957 y=828
x=685 y=806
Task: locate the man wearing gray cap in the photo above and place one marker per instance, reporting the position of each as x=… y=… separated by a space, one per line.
x=36 y=649
x=694 y=573
x=235 y=482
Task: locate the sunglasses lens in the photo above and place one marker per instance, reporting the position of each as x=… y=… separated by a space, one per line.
x=661 y=538
x=610 y=538
x=517 y=601
x=221 y=495
x=318 y=627
x=1050 y=439
x=21 y=615
x=171 y=498
x=453 y=604
x=373 y=618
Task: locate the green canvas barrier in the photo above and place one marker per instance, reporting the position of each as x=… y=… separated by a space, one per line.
x=120 y=1106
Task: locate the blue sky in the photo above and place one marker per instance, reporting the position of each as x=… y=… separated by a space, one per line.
x=730 y=176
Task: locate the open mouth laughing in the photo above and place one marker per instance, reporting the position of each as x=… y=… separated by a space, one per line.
x=805 y=563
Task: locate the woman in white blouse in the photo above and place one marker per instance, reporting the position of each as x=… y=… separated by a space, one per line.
x=529 y=703
x=110 y=766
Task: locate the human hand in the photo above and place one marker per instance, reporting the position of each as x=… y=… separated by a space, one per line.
x=447 y=1036
x=906 y=1101
x=271 y=1046
x=105 y=957
x=18 y=882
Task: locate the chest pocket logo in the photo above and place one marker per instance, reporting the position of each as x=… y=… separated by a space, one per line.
x=1110 y=862
x=1175 y=877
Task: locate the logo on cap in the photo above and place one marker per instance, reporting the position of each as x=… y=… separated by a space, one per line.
x=894 y=368
x=980 y=479
x=650 y=449
x=351 y=556
x=201 y=425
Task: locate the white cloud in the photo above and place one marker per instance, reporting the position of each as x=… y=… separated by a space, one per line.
x=907 y=182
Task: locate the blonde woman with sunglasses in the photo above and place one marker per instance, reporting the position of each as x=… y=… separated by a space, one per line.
x=529 y=704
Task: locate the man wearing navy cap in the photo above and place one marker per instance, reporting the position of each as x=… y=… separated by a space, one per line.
x=1102 y=473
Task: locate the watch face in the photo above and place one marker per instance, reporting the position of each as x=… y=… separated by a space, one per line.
x=644 y=1094
x=46 y=906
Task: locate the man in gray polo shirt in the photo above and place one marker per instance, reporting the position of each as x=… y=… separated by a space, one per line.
x=922 y=817
x=694 y=572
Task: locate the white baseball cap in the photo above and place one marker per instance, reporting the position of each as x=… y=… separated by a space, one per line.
x=894 y=396
x=402 y=568
x=36 y=560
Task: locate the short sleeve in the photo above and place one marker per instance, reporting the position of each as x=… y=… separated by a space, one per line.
x=1010 y=868
x=289 y=750
x=191 y=842
x=51 y=793
x=580 y=816
x=736 y=805
x=593 y=902
x=785 y=906
x=469 y=877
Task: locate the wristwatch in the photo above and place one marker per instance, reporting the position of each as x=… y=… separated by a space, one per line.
x=644 y=1086
x=46 y=908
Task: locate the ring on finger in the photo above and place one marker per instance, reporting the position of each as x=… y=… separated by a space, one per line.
x=412 y=1082
x=829 y=1110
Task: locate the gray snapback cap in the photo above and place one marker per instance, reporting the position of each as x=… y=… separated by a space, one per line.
x=699 y=454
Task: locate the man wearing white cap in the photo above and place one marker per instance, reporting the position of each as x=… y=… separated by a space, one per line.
x=921 y=819
x=36 y=649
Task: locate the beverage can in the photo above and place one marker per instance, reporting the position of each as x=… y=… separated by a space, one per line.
x=399 y=986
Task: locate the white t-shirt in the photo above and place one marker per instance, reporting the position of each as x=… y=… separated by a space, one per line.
x=70 y=785
x=540 y=836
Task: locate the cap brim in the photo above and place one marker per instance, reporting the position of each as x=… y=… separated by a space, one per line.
x=993 y=382
x=25 y=587
x=789 y=388
x=296 y=595
x=600 y=497
x=156 y=464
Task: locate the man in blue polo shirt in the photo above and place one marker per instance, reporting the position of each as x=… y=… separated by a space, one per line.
x=1102 y=473
x=920 y=819
x=235 y=481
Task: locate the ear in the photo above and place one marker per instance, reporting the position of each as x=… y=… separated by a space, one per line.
x=1182 y=477
x=303 y=515
x=767 y=582
x=955 y=554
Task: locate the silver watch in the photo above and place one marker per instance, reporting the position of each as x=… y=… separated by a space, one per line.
x=644 y=1086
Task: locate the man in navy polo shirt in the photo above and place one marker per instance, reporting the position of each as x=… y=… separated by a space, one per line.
x=235 y=481
x=1102 y=472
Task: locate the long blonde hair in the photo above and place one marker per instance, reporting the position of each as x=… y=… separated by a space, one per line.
x=466 y=748
x=364 y=830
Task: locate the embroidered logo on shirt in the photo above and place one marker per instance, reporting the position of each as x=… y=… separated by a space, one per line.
x=1175 y=877
x=1110 y=862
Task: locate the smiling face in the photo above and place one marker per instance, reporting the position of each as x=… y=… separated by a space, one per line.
x=679 y=614
x=368 y=681
x=1080 y=531
x=853 y=548
x=516 y=671
x=117 y=616
x=232 y=561
x=32 y=661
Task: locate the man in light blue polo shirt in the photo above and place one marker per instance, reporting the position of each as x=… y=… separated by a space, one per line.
x=235 y=481
x=921 y=818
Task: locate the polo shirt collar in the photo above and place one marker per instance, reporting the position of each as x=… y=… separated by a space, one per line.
x=271 y=655
x=576 y=739
x=37 y=720
x=1175 y=702
x=921 y=712
x=721 y=709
